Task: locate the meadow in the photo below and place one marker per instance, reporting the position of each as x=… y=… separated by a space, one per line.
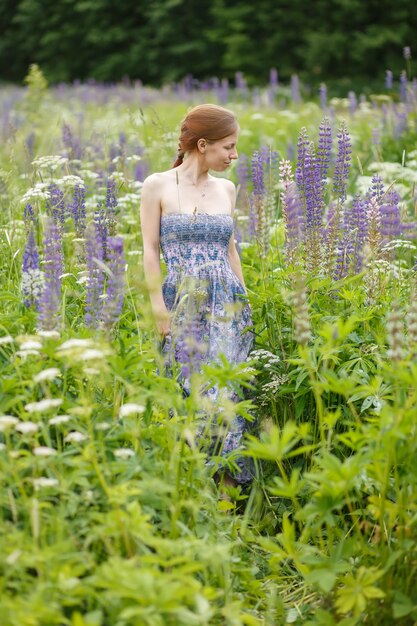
x=109 y=515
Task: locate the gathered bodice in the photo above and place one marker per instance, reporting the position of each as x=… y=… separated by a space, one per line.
x=196 y=245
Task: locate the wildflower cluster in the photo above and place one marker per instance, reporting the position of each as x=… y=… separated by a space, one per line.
x=335 y=235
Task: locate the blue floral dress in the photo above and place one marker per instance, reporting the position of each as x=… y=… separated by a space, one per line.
x=210 y=316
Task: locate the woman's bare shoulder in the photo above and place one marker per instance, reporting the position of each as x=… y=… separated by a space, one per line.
x=157 y=178
x=228 y=185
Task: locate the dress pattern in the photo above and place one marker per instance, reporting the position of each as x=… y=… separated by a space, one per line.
x=210 y=316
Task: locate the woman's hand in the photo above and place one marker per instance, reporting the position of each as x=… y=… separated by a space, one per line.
x=163 y=322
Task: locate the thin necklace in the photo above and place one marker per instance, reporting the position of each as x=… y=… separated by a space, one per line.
x=201 y=191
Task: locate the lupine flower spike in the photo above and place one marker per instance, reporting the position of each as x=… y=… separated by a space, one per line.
x=32 y=276
x=50 y=300
x=113 y=303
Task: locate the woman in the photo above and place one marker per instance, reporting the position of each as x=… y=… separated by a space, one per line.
x=200 y=310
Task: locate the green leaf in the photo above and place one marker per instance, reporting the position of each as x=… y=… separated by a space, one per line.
x=325 y=579
x=402 y=605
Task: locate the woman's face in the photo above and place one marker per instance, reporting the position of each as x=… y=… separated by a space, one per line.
x=219 y=154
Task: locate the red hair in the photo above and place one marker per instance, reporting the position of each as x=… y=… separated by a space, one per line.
x=208 y=121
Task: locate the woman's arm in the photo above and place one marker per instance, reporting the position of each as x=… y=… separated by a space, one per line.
x=233 y=253
x=235 y=261
x=150 y=219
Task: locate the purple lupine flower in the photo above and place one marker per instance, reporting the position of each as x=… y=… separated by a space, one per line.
x=312 y=197
x=377 y=188
x=78 y=209
x=403 y=86
x=407 y=53
x=295 y=89
x=113 y=303
x=302 y=149
x=101 y=224
x=55 y=205
x=240 y=82
x=359 y=229
x=253 y=217
x=390 y=211
x=400 y=123
x=71 y=144
x=388 y=79
x=342 y=248
x=141 y=170
x=111 y=204
x=352 y=237
x=50 y=300
x=29 y=216
x=95 y=276
x=32 y=276
x=324 y=149
x=376 y=136
x=258 y=173
x=323 y=96
x=224 y=91
x=345 y=245
x=306 y=180
x=273 y=78
x=353 y=102
x=374 y=224
x=294 y=220
x=341 y=171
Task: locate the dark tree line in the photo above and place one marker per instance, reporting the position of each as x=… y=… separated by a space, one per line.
x=159 y=41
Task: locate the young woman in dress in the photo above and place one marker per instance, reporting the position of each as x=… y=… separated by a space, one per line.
x=201 y=308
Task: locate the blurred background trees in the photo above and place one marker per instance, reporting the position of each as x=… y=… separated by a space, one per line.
x=159 y=41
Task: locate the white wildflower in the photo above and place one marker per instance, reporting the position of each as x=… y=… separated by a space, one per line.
x=102 y=426
x=38 y=483
x=33 y=195
x=129 y=408
x=30 y=345
x=25 y=353
x=50 y=162
x=7 y=421
x=49 y=334
x=49 y=374
x=75 y=437
x=89 y=174
x=27 y=428
x=32 y=283
x=71 y=181
x=2 y=447
x=59 y=419
x=91 y=354
x=118 y=177
x=70 y=344
x=43 y=405
x=6 y=339
x=44 y=451
x=123 y=453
